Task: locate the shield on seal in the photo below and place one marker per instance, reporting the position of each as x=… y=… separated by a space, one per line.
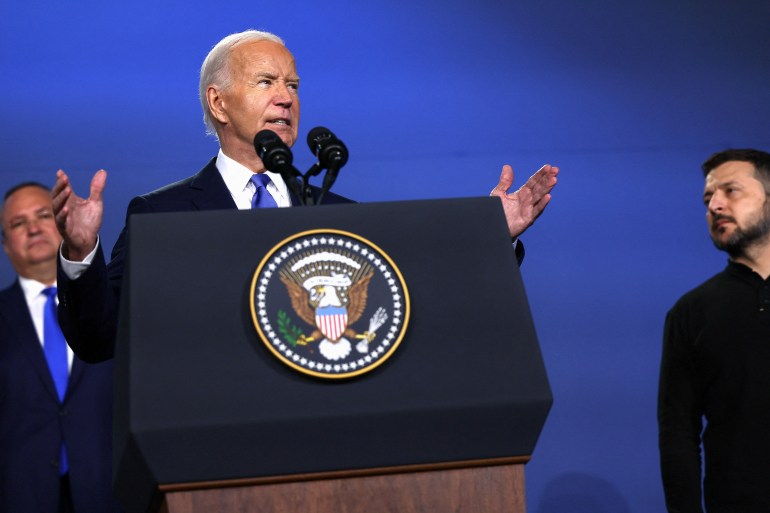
x=331 y=321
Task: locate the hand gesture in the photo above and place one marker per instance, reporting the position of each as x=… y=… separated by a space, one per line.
x=526 y=204
x=78 y=219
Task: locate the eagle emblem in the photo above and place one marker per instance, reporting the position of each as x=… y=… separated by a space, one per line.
x=328 y=291
x=329 y=303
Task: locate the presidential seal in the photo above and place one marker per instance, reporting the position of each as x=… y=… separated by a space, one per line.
x=329 y=303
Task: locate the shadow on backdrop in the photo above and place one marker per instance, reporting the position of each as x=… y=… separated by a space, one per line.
x=577 y=492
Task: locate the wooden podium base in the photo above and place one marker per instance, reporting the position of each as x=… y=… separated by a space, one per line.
x=495 y=488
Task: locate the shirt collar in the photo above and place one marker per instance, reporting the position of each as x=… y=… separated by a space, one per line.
x=32 y=288
x=236 y=177
x=743 y=271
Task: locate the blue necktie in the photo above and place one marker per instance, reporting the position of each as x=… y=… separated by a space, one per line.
x=261 y=198
x=55 y=349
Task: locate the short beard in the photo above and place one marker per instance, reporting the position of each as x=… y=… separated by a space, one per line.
x=756 y=234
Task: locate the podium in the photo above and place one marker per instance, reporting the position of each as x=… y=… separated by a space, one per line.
x=208 y=419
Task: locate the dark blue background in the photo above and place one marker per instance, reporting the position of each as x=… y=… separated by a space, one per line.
x=432 y=97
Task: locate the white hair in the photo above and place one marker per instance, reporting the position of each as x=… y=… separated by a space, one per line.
x=216 y=69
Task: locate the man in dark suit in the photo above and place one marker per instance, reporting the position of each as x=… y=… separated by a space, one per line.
x=248 y=83
x=55 y=434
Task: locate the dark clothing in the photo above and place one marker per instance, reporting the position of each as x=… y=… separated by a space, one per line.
x=88 y=306
x=33 y=422
x=65 y=496
x=716 y=366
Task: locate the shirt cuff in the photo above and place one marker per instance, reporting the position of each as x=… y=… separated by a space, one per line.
x=73 y=270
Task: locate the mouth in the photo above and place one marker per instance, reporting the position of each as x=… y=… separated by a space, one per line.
x=32 y=245
x=280 y=122
x=719 y=224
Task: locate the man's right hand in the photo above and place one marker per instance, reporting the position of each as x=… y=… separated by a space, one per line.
x=78 y=219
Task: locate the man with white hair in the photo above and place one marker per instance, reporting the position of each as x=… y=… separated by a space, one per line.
x=248 y=83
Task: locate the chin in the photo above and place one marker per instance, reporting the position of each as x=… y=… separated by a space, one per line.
x=287 y=133
x=720 y=240
x=289 y=139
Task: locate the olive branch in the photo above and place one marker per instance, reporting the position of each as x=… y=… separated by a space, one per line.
x=288 y=331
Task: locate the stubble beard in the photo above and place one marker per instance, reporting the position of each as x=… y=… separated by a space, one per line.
x=757 y=233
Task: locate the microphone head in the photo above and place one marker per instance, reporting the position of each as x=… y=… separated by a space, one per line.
x=330 y=151
x=273 y=152
x=317 y=136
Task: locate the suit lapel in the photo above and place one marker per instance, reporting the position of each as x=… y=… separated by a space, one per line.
x=209 y=189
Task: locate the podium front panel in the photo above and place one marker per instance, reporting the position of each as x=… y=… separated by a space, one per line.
x=203 y=399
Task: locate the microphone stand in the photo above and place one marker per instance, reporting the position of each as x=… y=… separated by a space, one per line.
x=329 y=178
x=314 y=170
x=290 y=177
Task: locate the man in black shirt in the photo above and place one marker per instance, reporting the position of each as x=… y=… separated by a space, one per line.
x=716 y=354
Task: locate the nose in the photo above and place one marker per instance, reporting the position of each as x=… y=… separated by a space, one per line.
x=33 y=226
x=716 y=203
x=283 y=95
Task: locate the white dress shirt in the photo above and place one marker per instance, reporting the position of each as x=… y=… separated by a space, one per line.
x=237 y=178
x=33 y=293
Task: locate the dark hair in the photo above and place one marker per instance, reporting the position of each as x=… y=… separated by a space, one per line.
x=759 y=159
x=22 y=185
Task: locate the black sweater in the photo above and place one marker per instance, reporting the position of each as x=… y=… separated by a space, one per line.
x=716 y=366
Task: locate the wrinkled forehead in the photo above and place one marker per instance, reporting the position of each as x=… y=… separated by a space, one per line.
x=263 y=56
x=737 y=172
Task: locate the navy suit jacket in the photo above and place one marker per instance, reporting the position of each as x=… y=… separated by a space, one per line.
x=33 y=423
x=88 y=306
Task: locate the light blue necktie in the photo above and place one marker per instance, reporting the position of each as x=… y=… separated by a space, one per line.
x=55 y=349
x=261 y=198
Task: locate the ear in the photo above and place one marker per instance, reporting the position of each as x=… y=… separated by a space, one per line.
x=216 y=103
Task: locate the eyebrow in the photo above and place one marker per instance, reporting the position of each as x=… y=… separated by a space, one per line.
x=729 y=183
x=41 y=210
x=268 y=74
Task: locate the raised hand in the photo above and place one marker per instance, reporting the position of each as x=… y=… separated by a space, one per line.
x=526 y=204
x=78 y=219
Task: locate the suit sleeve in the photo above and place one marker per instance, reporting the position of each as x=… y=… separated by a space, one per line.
x=680 y=414
x=89 y=305
x=519 y=250
x=88 y=311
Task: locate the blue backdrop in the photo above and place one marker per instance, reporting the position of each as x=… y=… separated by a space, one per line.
x=432 y=97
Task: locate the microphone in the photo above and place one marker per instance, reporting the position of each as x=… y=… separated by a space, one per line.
x=273 y=151
x=277 y=157
x=332 y=154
